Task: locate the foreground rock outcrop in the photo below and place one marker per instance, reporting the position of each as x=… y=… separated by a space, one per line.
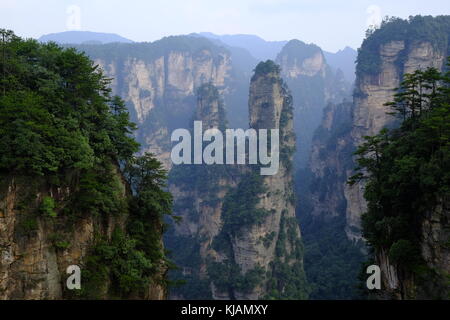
x=375 y=88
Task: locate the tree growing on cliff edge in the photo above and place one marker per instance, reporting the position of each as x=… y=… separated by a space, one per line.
x=61 y=129
x=408 y=170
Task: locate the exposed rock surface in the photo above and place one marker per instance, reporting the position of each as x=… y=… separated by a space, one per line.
x=198 y=192
x=33 y=254
x=370 y=115
x=250 y=252
x=329 y=162
x=159 y=80
x=313 y=85
x=270 y=106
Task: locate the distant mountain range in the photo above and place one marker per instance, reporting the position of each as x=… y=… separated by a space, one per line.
x=263 y=50
x=83 y=37
x=259 y=48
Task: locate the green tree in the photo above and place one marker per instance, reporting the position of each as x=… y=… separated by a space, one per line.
x=407 y=170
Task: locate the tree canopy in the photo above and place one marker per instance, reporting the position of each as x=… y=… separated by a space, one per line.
x=407 y=169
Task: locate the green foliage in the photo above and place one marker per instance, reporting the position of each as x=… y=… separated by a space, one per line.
x=239 y=207
x=47 y=207
x=100 y=192
x=59 y=241
x=132 y=257
x=56 y=111
x=267 y=67
x=403 y=252
x=228 y=277
x=148 y=205
x=417 y=94
x=407 y=169
x=288 y=280
x=26 y=226
x=63 y=132
x=119 y=260
x=332 y=261
x=416 y=29
x=187 y=254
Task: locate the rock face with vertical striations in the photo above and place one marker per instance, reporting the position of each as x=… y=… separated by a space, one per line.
x=240 y=238
x=199 y=192
x=260 y=236
x=159 y=80
x=381 y=65
x=399 y=47
x=36 y=250
x=313 y=85
x=329 y=161
x=280 y=253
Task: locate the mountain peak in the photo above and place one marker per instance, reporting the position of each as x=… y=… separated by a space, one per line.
x=83 y=37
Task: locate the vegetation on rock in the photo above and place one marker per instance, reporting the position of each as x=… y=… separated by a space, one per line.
x=408 y=171
x=62 y=130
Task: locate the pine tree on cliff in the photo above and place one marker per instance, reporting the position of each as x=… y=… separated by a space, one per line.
x=66 y=144
x=408 y=176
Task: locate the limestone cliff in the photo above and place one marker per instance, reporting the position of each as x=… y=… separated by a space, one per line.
x=159 y=80
x=374 y=88
x=388 y=53
x=239 y=238
x=37 y=249
x=329 y=162
x=199 y=192
x=397 y=48
x=274 y=244
x=313 y=84
x=433 y=283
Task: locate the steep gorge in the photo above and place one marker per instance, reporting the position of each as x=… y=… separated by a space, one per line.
x=397 y=48
x=158 y=81
x=240 y=226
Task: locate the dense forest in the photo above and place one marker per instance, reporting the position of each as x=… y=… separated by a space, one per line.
x=61 y=129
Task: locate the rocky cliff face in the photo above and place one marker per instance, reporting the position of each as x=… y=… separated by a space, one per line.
x=239 y=238
x=31 y=266
x=199 y=192
x=329 y=162
x=372 y=91
x=36 y=249
x=313 y=85
x=382 y=61
x=159 y=80
x=270 y=107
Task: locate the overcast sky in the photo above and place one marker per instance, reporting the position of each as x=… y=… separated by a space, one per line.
x=330 y=24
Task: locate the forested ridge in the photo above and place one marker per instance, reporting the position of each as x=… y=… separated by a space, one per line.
x=61 y=129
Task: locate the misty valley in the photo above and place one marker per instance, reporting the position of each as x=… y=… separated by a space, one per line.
x=206 y=167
